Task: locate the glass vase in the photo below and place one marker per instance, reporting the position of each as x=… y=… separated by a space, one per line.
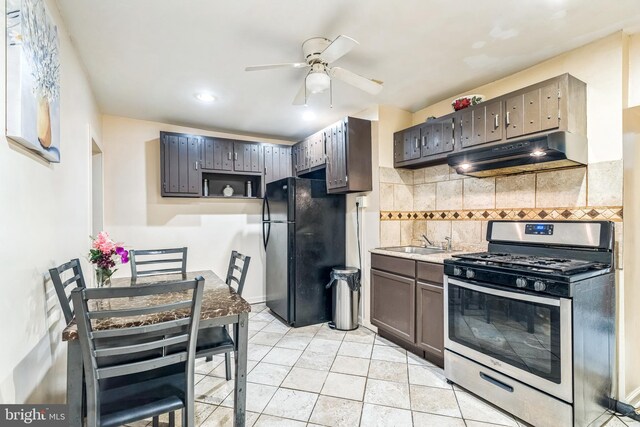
x=103 y=278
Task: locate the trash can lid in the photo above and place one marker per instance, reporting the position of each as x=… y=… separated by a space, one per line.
x=345 y=270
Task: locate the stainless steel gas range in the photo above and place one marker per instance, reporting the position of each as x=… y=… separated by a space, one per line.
x=530 y=324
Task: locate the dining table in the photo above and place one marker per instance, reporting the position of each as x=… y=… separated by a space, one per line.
x=221 y=305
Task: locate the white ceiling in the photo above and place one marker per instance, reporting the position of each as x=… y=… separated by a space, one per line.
x=147 y=58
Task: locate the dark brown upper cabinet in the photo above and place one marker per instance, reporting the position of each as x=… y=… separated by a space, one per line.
x=217 y=154
x=180 y=164
x=343 y=150
x=277 y=162
x=349 y=156
x=557 y=104
x=247 y=157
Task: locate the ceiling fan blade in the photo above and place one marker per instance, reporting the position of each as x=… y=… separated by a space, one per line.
x=372 y=86
x=338 y=48
x=275 y=66
x=300 y=97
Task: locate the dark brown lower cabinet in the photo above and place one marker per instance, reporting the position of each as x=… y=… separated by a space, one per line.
x=407 y=303
x=430 y=316
x=391 y=294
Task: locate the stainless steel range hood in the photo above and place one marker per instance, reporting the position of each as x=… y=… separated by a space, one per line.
x=551 y=151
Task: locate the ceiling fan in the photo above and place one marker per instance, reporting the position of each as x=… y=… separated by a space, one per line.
x=319 y=53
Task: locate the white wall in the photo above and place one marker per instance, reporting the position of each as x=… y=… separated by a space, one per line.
x=137 y=215
x=44 y=221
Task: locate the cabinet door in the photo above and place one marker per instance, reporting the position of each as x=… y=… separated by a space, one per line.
x=466 y=127
x=531 y=112
x=436 y=138
x=398 y=147
x=478 y=115
x=514 y=116
x=320 y=153
x=181 y=164
x=246 y=156
x=222 y=154
x=415 y=151
x=448 y=142
x=425 y=141
x=341 y=158
x=330 y=141
x=269 y=174
x=207 y=153
x=407 y=144
x=285 y=162
x=493 y=121
x=430 y=318
x=549 y=107
x=393 y=304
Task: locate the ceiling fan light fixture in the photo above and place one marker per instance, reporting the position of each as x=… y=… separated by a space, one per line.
x=318 y=82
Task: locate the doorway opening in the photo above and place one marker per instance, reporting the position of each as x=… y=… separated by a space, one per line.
x=97 y=189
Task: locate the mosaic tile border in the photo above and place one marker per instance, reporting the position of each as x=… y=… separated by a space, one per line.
x=592 y=213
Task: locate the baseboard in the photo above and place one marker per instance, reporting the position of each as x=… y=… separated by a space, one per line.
x=256 y=300
x=633 y=398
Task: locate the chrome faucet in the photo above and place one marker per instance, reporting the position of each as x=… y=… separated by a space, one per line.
x=424 y=236
x=448 y=239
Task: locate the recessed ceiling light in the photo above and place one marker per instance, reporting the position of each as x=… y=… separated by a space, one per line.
x=538 y=153
x=308 y=115
x=465 y=166
x=205 y=97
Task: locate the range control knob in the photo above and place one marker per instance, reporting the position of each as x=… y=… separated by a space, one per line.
x=521 y=282
x=457 y=271
x=470 y=274
x=539 y=285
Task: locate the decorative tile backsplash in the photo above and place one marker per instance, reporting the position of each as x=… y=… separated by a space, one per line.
x=438 y=202
x=597 y=213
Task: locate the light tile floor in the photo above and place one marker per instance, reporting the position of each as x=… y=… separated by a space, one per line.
x=315 y=376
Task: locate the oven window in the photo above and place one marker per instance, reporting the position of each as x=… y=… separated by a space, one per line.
x=520 y=333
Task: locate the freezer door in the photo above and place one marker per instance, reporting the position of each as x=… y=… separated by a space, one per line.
x=280 y=198
x=280 y=265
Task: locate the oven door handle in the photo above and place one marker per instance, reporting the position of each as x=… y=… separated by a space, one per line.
x=506 y=294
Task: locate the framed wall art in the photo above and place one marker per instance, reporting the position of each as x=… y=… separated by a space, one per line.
x=33 y=78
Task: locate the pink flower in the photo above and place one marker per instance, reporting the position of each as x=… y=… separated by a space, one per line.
x=104 y=243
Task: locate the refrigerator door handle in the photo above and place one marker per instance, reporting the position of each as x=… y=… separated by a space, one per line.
x=266 y=234
x=265 y=208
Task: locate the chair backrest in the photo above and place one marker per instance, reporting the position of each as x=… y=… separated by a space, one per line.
x=103 y=344
x=236 y=274
x=75 y=279
x=144 y=257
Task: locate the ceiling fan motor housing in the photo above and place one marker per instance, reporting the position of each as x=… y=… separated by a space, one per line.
x=312 y=48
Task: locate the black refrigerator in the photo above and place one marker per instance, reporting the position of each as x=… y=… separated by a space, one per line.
x=303 y=232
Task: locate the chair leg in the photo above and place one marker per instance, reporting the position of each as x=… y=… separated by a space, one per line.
x=156 y=421
x=172 y=419
x=227 y=364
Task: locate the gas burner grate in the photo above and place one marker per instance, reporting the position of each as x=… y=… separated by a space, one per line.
x=537 y=263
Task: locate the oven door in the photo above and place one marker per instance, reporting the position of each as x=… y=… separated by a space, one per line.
x=524 y=336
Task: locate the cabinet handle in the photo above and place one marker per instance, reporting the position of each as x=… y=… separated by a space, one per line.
x=195 y=164
x=496 y=121
x=229 y=155
x=507 y=119
x=417 y=143
x=235 y=156
x=424 y=141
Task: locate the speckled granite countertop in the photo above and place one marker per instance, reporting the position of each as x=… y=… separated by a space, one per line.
x=437 y=258
x=218 y=300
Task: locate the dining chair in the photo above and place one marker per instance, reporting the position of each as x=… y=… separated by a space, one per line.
x=216 y=340
x=76 y=280
x=148 y=382
x=145 y=257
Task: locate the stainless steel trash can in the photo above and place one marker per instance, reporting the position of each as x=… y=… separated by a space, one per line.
x=345 y=289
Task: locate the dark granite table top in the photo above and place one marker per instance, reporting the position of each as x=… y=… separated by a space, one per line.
x=218 y=300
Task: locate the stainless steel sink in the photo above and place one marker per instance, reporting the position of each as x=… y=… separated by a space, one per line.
x=415 y=250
